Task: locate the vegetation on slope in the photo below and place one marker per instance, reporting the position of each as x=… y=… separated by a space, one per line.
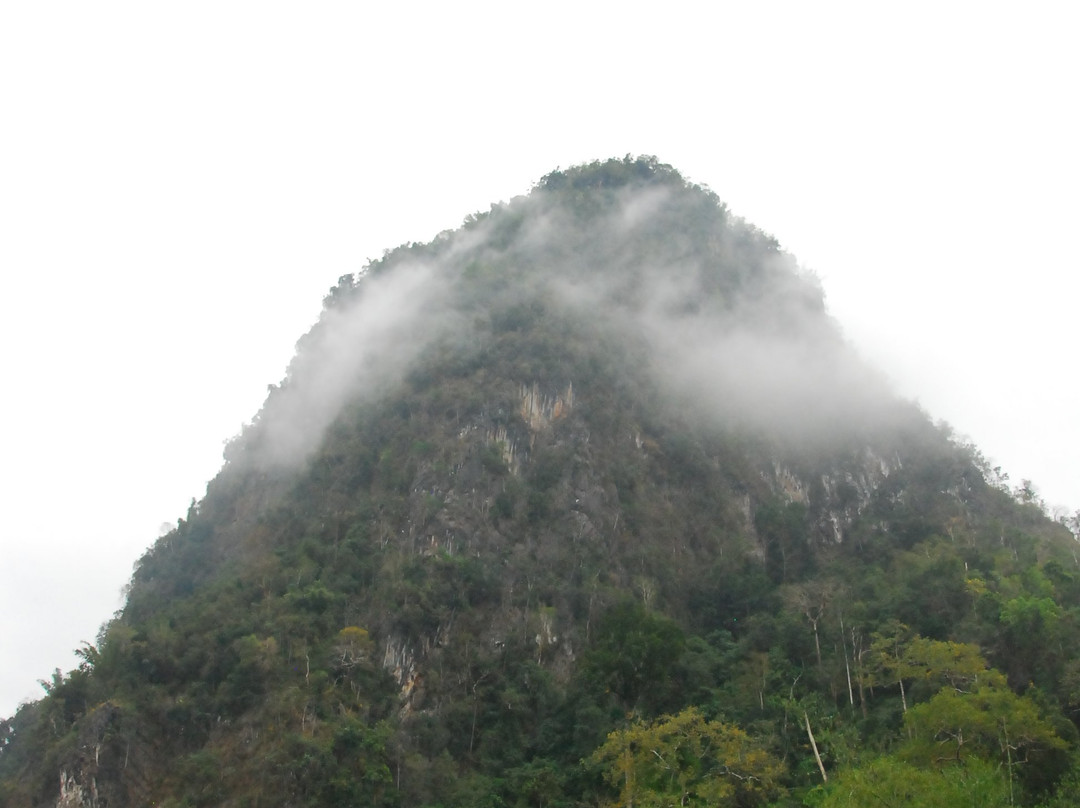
x=584 y=503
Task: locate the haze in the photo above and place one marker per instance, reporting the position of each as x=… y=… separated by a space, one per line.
x=180 y=187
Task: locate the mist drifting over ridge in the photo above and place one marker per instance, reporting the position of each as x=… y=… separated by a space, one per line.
x=719 y=317
x=495 y=459
x=357 y=350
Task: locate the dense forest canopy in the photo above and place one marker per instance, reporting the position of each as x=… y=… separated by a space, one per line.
x=587 y=502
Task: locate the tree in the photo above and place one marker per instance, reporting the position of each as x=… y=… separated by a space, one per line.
x=988 y=722
x=353 y=647
x=688 y=761
x=897 y=656
x=632 y=655
x=784 y=528
x=960 y=665
x=889 y=781
x=811 y=599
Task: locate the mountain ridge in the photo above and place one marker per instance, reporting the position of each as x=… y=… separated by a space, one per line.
x=600 y=452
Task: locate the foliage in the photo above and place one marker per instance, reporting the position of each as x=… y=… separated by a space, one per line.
x=988 y=722
x=890 y=781
x=686 y=760
x=524 y=568
x=632 y=657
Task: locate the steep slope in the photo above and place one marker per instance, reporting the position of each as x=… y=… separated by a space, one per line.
x=599 y=453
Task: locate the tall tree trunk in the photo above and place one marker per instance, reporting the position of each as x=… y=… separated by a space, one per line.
x=813 y=744
x=847 y=666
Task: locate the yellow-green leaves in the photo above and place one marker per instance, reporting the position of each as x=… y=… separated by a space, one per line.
x=686 y=760
x=888 y=781
x=990 y=722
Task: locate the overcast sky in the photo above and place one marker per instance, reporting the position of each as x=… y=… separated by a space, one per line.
x=181 y=183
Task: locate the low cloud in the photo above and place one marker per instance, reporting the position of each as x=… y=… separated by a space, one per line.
x=359 y=349
x=729 y=326
x=761 y=353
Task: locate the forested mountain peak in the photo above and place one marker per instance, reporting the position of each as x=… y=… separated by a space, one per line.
x=589 y=483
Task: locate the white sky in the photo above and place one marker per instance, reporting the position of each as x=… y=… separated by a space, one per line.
x=181 y=183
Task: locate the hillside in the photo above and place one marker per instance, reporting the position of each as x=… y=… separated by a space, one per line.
x=586 y=502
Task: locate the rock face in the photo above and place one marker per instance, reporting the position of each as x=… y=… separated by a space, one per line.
x=106 y=764
x=538 y=411
x=73 y=795
x=509 y=473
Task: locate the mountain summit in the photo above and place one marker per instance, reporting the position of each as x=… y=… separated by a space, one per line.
x=585 y=502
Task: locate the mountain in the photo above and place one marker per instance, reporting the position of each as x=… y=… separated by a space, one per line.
x=586 y=502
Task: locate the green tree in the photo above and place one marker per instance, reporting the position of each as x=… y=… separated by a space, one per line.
x=632 y=656
x=896 y=656
x=688 y=761
x=889 y=781
x=988 y=722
